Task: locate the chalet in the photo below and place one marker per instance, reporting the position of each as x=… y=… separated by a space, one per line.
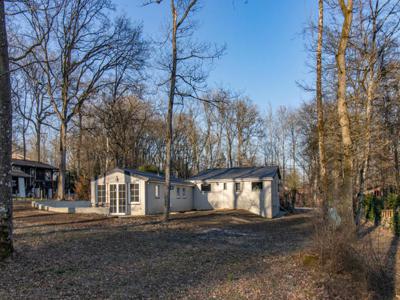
x=132 y=192
x=32 y=179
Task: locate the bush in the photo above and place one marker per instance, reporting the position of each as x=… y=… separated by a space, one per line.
x=82 y=188
x=373 y=208
x=149 y=168
x=392 y=201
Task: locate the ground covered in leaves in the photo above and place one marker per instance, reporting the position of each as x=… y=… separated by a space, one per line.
x=198 y=255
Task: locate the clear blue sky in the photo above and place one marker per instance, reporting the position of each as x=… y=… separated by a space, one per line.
x=265 y=47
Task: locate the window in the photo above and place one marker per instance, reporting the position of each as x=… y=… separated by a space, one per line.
x=113 y=198
x=178 y=192
x=224 y=185
x=238 y=186
x=157 y=191
x=184 y=192
x=121 y=198
x=135 y=193
x=256 y=186
x=205 y=187
x=101 y=194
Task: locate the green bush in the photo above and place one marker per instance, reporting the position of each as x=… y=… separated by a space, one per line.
x=392 y=201
x=373 y=208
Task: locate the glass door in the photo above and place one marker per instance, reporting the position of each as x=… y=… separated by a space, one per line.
x=122 y=199
x=118 y=201
x=113 y=199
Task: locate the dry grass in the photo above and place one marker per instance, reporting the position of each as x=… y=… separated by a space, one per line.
x=199 y=255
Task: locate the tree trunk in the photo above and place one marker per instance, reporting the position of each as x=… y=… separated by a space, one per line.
x=169 y=117
x=368 y=130
x=78 y=154
x=63 y=162
x=38 y=140
x=6 y=238
x=346 y=201
x=323 y=190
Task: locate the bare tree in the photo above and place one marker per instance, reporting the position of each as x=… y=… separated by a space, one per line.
x=81 y=47
x=184 y=65
x=320 y=112
x=346 y=205
x=6 y=238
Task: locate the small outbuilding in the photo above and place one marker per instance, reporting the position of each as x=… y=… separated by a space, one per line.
x=133 y=192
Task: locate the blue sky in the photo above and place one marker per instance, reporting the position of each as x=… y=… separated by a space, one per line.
x=265 y=47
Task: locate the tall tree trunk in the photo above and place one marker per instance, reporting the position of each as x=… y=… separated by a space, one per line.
x=23 y=140
x=6 y=207
x=368 y=126
x=63 y=162
x=169 y=116
x=38 y=140
x=346 y=201
x=78 y=154
x=323 y=190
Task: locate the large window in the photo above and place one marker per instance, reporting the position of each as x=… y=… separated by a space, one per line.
x=238 y=187
x=256 y=186
x=135 y=192
x=205 y=187
x=183 y=192
x=178 y=192
x=101 y=194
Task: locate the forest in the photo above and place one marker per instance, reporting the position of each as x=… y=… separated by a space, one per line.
x=90 y=92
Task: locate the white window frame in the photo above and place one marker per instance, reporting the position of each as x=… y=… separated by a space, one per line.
x=157 y=191
x=225 y=187
x=132 y=188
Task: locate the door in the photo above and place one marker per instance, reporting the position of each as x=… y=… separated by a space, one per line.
x=118 y=205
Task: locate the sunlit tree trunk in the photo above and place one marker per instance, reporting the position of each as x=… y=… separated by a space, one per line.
x=171 y=97
x=346 y=201
x=320 y=110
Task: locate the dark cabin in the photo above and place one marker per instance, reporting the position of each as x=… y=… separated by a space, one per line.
x=33 y=179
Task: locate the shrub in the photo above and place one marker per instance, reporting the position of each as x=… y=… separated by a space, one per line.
x=392 y=201
x=82 y=188
x=373 y=208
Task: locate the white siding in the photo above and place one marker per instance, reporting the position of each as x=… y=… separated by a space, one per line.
x=156 y=205
x=258 y=202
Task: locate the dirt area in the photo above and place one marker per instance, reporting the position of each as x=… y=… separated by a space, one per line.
x=198 y=255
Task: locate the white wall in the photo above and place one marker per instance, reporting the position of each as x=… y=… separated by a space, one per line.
x=156 y=205
x=258 y=202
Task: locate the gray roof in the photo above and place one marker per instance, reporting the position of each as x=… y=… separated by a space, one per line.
x=148 y=175
x=32 y=163
x=19 y=173
x=237 y=173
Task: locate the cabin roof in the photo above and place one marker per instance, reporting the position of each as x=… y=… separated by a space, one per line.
x=237 y=173
x=145 y=175
x=32 y=164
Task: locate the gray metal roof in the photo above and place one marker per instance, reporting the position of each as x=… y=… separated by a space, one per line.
x=32 y=163
x=148 y=175
x=237 y=173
